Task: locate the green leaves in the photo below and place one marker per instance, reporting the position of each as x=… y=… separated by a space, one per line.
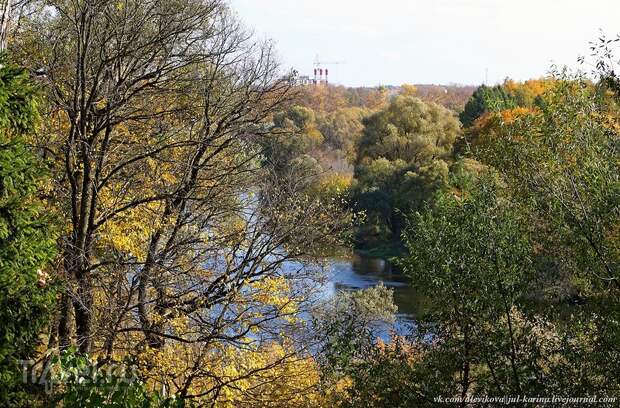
x=470 y=240
x=85 y=384
x=472 y=249
x=27 y=239
x=402 y=158
x=486 y=99
x=18 y=100
x=563 y=163
x=409 y=130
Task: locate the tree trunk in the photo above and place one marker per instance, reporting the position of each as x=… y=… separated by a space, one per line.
x=83 y=318
x=5 y=10
x=64 y=327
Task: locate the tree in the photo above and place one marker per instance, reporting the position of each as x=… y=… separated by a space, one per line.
x=5 y=15
x=486 y=99
x=453 y=97
x=510 y=95
x=347 y=327
x=528 y=93
x=402 y=156
x=27 y=237
x=342 y=130
x=408 y=90
x=158 y=113
x=409 y=130
x=566 y=152
x=346 y=331
x=321 y=98
x=511 y=253
x=604 y=51
x=472 y=249
x=295 y=135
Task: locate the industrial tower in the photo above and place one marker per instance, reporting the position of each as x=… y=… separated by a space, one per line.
x=319 y=70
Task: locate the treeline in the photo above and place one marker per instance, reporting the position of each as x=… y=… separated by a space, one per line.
x=391 y=150
x=382 y=148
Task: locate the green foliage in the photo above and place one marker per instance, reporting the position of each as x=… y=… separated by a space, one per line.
x=84 y=384
x=537 y=211
x=486 y=99
x=606 y=63
x=562 y=165
x=296 y=135
x=27 y=240
x=409 y=130
x=18 y=100
x=402 y=158
x=473 y=250
x=387 y=377
x=342 y=129
x=566 y=168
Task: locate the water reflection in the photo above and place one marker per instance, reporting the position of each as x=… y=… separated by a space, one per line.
x=360 y=272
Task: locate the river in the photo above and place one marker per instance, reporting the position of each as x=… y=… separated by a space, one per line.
x=359 y=272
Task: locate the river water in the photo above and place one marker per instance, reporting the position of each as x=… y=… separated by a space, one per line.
x=359 y=272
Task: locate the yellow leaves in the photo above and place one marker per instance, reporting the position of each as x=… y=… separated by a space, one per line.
x=323 y=98
x=527 y=92
x=166 y=364
x=179 y=325
x=610 y=120
x=231 y=229
x=335 y=183
x=314 y=136
x=343 y=384
x=101 y=104
x=169 y=177
x=128 y=232
x=274 y=291
x=408 y=90
x=511 y=115
x=488 y=126
x=270 y=374
x=289 y=379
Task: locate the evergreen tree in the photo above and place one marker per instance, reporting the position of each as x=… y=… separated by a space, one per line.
x=26 y=237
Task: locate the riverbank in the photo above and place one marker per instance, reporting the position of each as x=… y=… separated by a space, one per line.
x=386 y=250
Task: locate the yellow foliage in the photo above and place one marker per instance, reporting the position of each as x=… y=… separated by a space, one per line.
x=526 y=92
x=269 y=375
x=408 y=90
x=510 y=115
x=486 y=127
x=274 y=291
x=129 y=231
x=334 y=184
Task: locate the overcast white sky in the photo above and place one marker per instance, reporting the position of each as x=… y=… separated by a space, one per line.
x=430 y=41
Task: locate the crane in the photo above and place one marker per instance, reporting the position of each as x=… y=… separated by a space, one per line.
x=318 y=63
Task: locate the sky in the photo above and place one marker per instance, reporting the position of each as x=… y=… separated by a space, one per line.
x=391 y=42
